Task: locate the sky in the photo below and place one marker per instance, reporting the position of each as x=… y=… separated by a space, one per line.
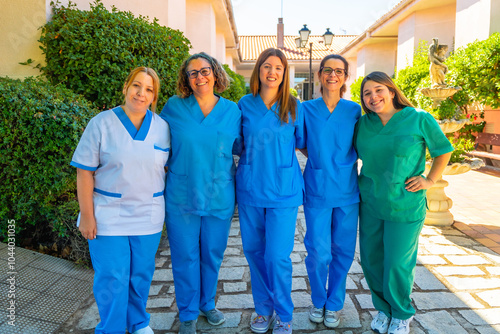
x=352 y=17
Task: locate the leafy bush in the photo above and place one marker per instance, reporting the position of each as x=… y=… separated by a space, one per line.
x=476 y=68
x=236 y=89
x=409 y=78
x=92 y=52
x=40 y=126
x=294 y=92
x=356 y=90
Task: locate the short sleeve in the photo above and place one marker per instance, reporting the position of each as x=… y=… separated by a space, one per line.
x=86 y=155
x=435 y=139
x=300 y=130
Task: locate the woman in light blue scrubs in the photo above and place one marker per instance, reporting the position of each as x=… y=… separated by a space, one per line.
x=332 y=195
x=269 y=188
x=120 y=162
x=200 y=197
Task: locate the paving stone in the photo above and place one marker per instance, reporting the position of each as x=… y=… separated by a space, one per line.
x=439 y=322
x=494 y=329
x=439 y=249
x=301 y=299
x=159 y=302
x=234 y=232
x=462 y=241
x=462 y=270
x=426 y=280
x=365 y=301
x=234 y=241
x=349 y=315
x=50 y=263
x=235 y=287
x=429 y=230
x=165 y=252
x=233 y=319
x=301 y=322
x=440 y=240
x=229 y=274
x=451 y=231
x=299 y=270
x=443 y=300
x=350 y=285
x=171 y=289
x=355 y=268
x=23 y=297
x=36 y=279
x=234 y=261
x=495 y=257
x=482 y=317
x=491 y=297
x=50 y=308
x=90 y=318
x=240 y=301
x=162 y=321
x=364 y=284
x=295 y=257
x=299 y=247
x=154 y=290
x=299 y=283
x=163 y=275
x=473 y=283
x=160 y=261
x=494 y=270
x=232 y=251
x=431 y=260
x=466 y=260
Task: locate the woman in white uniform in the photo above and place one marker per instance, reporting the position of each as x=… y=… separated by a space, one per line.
x=120 y=163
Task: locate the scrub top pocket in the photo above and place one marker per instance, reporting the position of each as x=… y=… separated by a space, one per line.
x=106 y=207
x=158 y=210
x=314 y=182
x=161 y=156
x=225 y=145
x=244 y=177
x=177 y=188
x=285 y=185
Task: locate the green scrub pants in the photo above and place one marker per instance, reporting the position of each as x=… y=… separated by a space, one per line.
x=388 y=258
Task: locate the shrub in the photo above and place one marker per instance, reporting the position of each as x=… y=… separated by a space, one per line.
x=236 y=89
x=294 y=92
x=40 y=126
x=476 y=68
x=92 y=52
x=356 y=90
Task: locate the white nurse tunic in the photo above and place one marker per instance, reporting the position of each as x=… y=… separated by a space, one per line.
x=129 y=179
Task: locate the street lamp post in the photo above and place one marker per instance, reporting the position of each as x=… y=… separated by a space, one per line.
x=302 y=43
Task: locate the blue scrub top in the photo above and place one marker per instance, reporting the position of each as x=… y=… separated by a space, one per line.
x=268 y=171
x=331 y=171
x=200 y=178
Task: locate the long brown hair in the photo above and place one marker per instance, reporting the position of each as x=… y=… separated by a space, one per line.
x=399 y=101
x=221 y=78
x=156 y=82
x=286 y=102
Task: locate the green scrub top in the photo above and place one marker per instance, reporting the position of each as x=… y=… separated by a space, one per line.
x=393 y=153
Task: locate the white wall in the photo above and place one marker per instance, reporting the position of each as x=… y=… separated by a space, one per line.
x=476 y=14
x=201 y=27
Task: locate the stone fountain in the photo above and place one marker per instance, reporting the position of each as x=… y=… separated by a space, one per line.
x=438 y=212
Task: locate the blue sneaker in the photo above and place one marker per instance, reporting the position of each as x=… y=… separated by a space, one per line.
x=282 y=327
x=214 y=317
x=261 y=323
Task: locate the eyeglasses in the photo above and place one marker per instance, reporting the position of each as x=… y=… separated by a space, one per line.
x=328 y=70
x=205 y=71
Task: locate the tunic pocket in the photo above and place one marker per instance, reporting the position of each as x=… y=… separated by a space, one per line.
x=176 y=188
x=314 y=182
x=106 y=207
x=158 y=210
x=225 y=145
x=285 y=185
x=244 y=177
x=161 y=156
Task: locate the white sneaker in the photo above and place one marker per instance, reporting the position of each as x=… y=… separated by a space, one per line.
x=380 y=323
x=316 y=315
x=145 y=330
x=332 y=319
x=399 y=326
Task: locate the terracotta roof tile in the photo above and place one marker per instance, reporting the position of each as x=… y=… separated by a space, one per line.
x=252 y=46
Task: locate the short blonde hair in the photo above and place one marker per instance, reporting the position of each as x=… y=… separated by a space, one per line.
x=156 y=82
x=221 y=78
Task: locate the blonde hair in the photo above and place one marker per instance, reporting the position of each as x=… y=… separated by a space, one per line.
x=156 y=82
x=286 y=102
x=220 y=76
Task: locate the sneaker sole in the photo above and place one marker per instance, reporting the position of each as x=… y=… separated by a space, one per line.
x=383 y=332
x=214 y=323
x=316 y=320
x=263 y=330
x=332 y=324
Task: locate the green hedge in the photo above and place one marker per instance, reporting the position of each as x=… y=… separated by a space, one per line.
x=40 y=126
x=236 y=89
x=91 y=52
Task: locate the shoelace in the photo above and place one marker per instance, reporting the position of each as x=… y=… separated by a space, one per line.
x=399 y=322
x=188 y=323
x=259 y=319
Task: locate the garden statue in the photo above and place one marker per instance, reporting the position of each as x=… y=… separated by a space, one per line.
x=437 y=68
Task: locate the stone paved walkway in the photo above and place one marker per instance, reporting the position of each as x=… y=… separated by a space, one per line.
x=457 y=286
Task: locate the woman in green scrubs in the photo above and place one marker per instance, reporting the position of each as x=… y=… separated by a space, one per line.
x=391 y=139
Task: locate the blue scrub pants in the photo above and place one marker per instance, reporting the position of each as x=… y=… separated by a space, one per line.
x=330 y=242
x=197 y=245
x=388 y=253
x=268 y=237
x=123 y=271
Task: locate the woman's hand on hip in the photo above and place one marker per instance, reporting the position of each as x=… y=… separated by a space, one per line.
x=417 y=183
